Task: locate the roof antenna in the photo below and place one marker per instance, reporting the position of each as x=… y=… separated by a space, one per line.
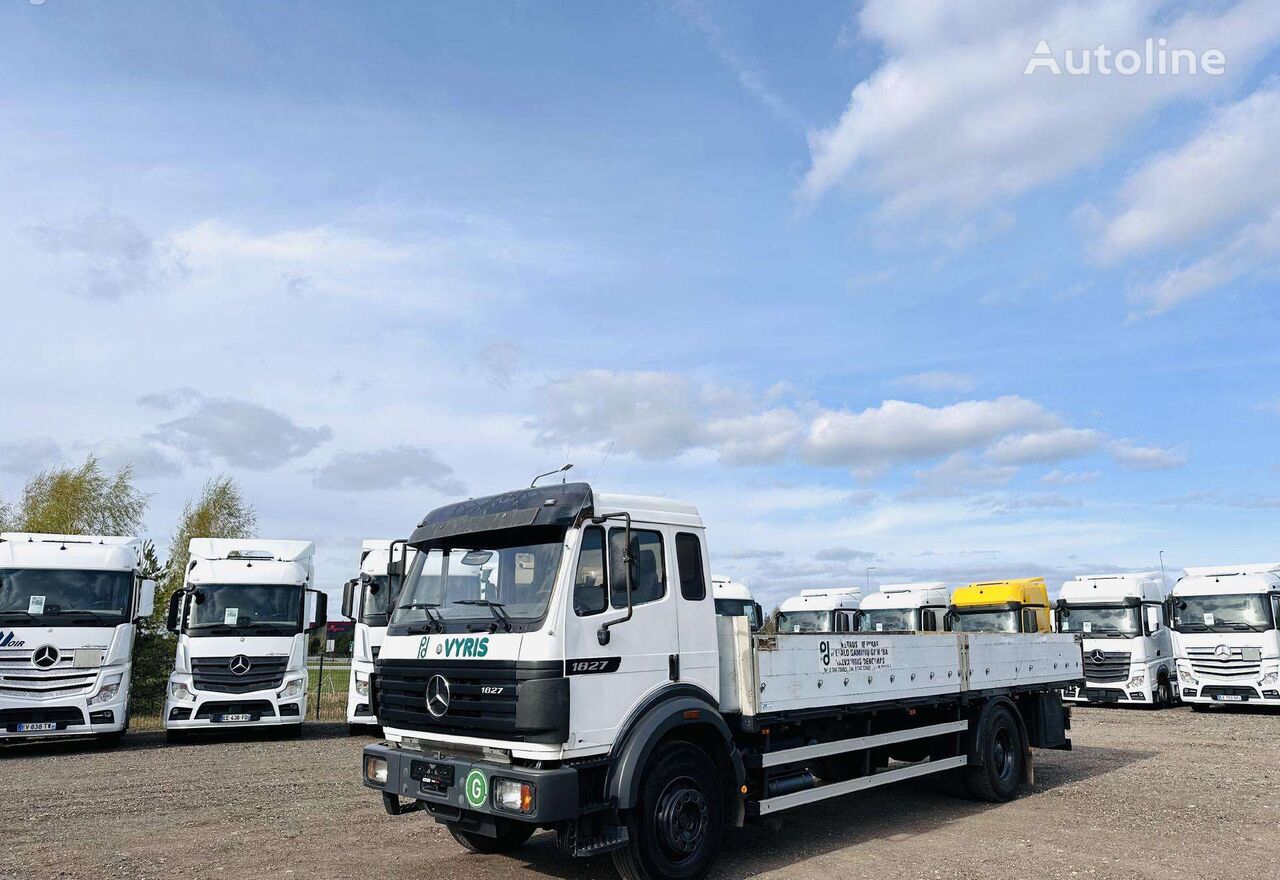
x=558 y=470
x=1164 y=583
x=607 y=452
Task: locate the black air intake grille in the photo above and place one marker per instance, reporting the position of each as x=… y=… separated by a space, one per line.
x=214 y=674
x=1106 y=666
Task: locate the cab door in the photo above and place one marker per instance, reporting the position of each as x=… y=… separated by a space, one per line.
x=608 y=682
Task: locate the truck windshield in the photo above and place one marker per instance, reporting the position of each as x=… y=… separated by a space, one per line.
x=1118 y=621
x=61 y=597
x=985 y=621
x=495 y=584
x=377 y=601
x=739 y=608
x=1228 y=613
x=246 y=610
x=888 y=620
x=806 y=621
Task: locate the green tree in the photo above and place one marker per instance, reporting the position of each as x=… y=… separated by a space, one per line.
x=84 y=500
x=221 y=511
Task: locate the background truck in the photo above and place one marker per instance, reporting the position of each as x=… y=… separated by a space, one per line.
x=368 y=601
x=733 y=599
x=819 y=611
x=241 y=620
x=1225 y=638
x=904 y=608
x=1020 y=605
x=1128 y=647
x=594 y=690
x=69 y=610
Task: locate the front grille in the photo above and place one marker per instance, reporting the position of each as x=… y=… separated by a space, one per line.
x=482 y=696
x=1109 y=666
x=63 y=716
x=19 y=678
x=255 y=709
x=214 y=674
x=1206 y=661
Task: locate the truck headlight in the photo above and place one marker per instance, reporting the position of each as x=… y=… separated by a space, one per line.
x=293 y=688
x=110 y=687
x=1270 y=678
x=375 y=769
x=1138 y=680
x=180 y=691
x=362 y=684
x=513 y=796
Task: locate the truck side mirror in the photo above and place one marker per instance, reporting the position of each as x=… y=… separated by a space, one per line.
x=146 y=600
x=322 y=611
x=348 y=599
x=759 y=618
x=173 y=623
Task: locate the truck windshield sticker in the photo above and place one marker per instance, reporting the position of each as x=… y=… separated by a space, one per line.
x=35 y=605
x=855 y=655
x=1208 y=618
x=1087 y=626
x=477 y=788
x=230 y=616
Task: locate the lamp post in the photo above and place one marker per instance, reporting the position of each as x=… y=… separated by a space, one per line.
x=870 y=568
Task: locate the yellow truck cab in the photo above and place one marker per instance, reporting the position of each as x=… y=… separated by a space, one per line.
x=1020 y=605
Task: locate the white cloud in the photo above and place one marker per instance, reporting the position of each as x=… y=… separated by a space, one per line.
x=25 y=457
x=148 y=459
x=950 y=120
x=937 y=381
x=1146 y=458
x=1069 y=478
x=1041 y=447
x=957 y=475
x=390 y=468
x=897 y=431
x=112 y=255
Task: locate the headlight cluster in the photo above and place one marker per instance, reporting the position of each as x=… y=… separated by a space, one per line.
x=375 y=769
x=1138 y=680
x=513 y=796
x=293 y=688
x=110 y=687
x=362 y=684
x=180 y=691
x=1270 y=678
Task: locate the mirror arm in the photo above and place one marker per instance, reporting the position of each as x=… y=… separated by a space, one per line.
x=602 y=634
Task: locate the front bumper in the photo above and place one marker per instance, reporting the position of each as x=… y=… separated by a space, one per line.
x=1111 y=692
x=360 y=708
x=461 y=790
x=70 y=716
x=209 y=710
x=1231 y=694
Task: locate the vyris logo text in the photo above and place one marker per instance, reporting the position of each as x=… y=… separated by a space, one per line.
x=469 y=646
x=8 y=640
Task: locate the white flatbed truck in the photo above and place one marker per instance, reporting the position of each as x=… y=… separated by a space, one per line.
x=582 y=682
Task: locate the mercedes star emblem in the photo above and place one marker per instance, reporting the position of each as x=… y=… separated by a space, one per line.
x=240 y=664
x=44 y=657
x=1222 y=651
x=438 y=695
x=1097 y=656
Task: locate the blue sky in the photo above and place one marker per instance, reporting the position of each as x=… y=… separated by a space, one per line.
x=852 y=282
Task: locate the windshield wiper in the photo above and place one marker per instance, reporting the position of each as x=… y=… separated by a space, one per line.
x=270 y=628
x=20 y=611
x=500 y=616
x=434 y=619
x=1248 y=626
x=96 y=615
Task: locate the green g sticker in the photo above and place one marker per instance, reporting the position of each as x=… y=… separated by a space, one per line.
x=477 y=788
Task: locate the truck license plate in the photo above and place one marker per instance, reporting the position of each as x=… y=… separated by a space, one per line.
x=37 y=725
x=1230 y=698
x=238 y=716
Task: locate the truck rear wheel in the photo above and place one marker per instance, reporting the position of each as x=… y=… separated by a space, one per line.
x=678 y=822
x=1001 y=751
x=511 y=836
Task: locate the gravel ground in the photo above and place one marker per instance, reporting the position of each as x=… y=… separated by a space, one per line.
x=1143 y=795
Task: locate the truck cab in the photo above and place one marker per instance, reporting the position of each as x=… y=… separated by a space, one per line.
x=1020 y=605
x=820 y=611
x=1224 y=634
x=69 y=610
x=368 y=601
x=733 y=599
x=1128 y=647
x=242 y=625
x=907 y=608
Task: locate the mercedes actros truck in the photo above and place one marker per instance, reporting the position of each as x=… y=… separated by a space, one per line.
x=905 y=608
x=734 y=599
x=1225 y=634
x=1019 y=605
x=1128 y=647
x=242 y=625
x=368 y=601
x=70 y=606
x=819 y=611
x=555 y=661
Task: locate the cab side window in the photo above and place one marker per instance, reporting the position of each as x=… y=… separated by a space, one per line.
x=689 y=562
x=589 y=594
x=648 y=567
x=928 y=620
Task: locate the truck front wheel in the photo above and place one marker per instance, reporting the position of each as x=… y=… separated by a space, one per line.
x=1002 y=756
x=678 y=822
x=511 y=836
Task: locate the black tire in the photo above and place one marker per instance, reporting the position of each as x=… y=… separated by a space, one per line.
x=1199 y=707
x=1002 y=753
x=511 y=836
x=1164 y=693
x=109 y=740
x=292 y=731
x=677 y=825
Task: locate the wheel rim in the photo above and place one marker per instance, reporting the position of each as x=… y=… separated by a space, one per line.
x=682 y=819
x=1002 y=753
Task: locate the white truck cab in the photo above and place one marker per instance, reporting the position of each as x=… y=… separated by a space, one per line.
x=908 y=608
x=556 y=661
x=1225 y=637
x=1128 y=646
x=368 y=600
x=69 y=610
x=734 y=599
x=818 y=611
x=241 y=621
